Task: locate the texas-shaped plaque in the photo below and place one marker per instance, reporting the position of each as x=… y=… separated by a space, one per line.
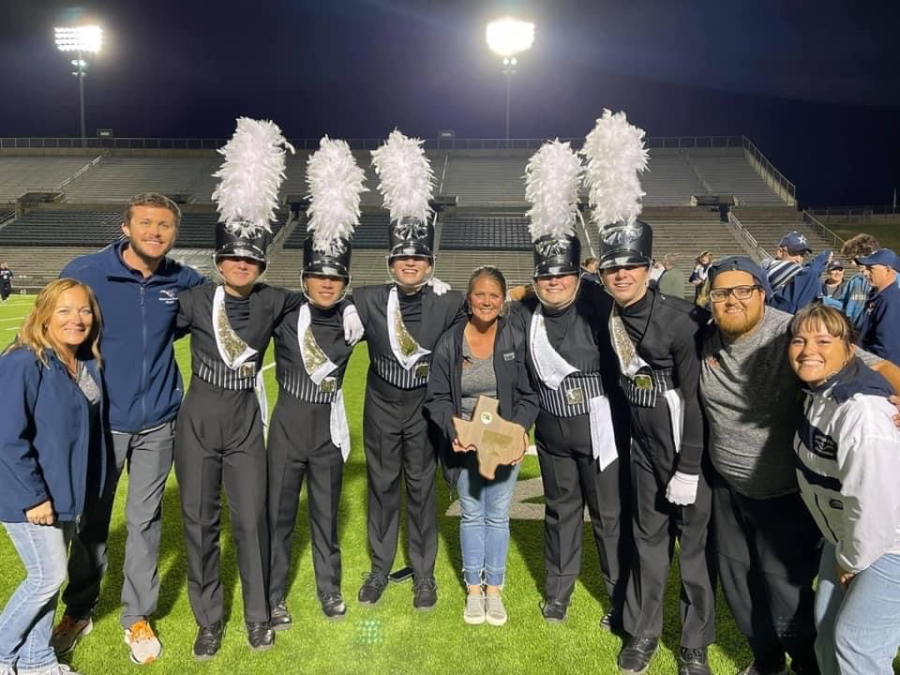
x=496 y=440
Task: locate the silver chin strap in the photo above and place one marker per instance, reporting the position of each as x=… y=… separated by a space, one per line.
x=419 y=286
x=556 y=307
x=312 y=302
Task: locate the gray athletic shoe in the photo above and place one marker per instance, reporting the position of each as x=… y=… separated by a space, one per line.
x=495 y=612
x=474 y=613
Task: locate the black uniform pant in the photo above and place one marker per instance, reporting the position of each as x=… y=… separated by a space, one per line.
x=572 y=478
x=5 y=290
x=219 y=441
x=398 y=444
x=300 y=446
x=657 y=523
x=768 y=555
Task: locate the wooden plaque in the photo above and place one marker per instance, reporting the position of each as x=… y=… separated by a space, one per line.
x=496 y=440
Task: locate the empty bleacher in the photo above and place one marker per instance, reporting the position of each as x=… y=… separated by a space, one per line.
x=727 y=171
x=61 y=228
x=371 y=233
x=38 y=174
x=115 y=179
x=669 y=179
x=769 y=225
x=485 y=232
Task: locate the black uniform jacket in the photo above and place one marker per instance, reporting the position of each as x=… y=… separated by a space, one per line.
x=443 y=401
x=666 y=333
x=439 y=312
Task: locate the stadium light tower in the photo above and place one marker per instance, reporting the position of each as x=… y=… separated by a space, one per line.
x=82 y=40
x=508 y=37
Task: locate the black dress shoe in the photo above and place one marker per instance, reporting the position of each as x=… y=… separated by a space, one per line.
x=425 y=594
x=209 y=641
x=612 y=622
x=333 y=606
x=372 y=588
x=260 y=636
x=280 y=617
x=554 y=610
x=693 y=662
x=634 y=659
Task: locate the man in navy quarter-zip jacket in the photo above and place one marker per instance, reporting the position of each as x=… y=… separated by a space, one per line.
x=137 y=287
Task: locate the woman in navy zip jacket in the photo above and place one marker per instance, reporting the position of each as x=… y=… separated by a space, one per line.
x=482 y=356
x=51 y=458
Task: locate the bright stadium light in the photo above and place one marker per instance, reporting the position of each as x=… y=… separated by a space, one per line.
x=507 y=37
x=81 y=40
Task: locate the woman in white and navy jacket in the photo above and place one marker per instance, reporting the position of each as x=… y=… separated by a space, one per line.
x=848 y=458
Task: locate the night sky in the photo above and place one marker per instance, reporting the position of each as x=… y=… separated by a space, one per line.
x=814 y=83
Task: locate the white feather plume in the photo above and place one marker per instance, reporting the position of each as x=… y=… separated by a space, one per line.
x=253 y=170
x=335 y=184
x=615 y=156
x=407 y=180
x=552 y=179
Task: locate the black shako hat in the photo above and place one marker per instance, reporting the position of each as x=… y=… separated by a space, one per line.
x=623 y=244
x=235 y=245
x=555 y=256
x=411 y=237
x=332 y=265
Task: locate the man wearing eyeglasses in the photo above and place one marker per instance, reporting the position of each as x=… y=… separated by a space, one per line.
x=767 y=544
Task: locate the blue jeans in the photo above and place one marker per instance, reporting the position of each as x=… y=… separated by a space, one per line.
x=27 y=618
x=484 y=530
x=858 y=629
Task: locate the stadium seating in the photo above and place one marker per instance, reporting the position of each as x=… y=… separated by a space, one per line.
x=727 y=171
x=485 y=232
x=19 y=175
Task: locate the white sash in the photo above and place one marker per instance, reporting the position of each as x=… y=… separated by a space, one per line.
x=552 y=369
x=248 y=353
x=393 y=314
x=340 y=430
x=675 y=401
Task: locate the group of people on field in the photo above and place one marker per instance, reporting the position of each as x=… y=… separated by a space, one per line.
x=762 y=442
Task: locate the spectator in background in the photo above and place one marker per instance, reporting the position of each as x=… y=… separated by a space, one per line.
x=137 y=288
x=879 y=325
x=51 y=457
x=806 y=284
x=848 y=455
x=671 y=282
x=780 y=273
x=834 y=285
x=857 y=291
x=698 y=276
x=589 y=270
x=6 y=276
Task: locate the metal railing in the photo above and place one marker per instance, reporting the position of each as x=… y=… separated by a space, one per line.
x=773 y=177
x=833 y=239
x=760 y=252
x=851 y=213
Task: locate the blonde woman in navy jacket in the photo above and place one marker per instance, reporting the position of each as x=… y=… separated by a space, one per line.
x=848 y=458
x=52 y=458
x=482 y=356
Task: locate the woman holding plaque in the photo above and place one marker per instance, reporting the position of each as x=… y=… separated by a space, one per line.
x=483 y=356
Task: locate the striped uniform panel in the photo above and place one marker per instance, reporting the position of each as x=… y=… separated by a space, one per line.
x=391 y=371
x=573 y=396
x=646 y=398
x=215 y=372
x=297 y=384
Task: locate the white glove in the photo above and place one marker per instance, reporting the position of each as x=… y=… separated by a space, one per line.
x=439 y=287
x=682 y=489
x=353 y=328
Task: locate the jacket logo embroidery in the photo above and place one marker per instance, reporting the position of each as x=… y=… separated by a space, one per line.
x=168 y=295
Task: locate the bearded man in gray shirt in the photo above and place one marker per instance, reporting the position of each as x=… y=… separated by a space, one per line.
x=767 y=544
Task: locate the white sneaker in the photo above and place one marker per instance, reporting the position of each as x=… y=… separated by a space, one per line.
x=474 y=613
x=68 y=632
x=495 y=612
x=145 y=646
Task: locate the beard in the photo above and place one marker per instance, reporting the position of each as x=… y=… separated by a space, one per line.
x=740 y=323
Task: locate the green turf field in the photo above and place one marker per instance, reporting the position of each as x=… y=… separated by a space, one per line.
x=389 y=638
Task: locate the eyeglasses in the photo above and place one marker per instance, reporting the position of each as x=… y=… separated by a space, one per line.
x=739 y=292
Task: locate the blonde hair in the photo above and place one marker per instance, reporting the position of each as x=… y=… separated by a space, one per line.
x=33 y=334
x=833 y=322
